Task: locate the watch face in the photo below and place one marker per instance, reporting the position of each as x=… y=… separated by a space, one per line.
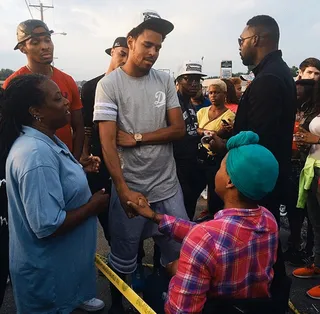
x=138 y=137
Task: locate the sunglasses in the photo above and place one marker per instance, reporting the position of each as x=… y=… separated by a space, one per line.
x=190 y=79
x=241 y=40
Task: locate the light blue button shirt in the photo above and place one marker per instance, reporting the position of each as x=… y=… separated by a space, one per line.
x=44 y=182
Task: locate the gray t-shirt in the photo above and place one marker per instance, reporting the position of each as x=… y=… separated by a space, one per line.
x=140 y=105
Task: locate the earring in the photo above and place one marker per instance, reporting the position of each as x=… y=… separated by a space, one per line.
x=37 y=118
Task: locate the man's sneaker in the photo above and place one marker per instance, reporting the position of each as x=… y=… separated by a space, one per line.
x=314 y=293
x=307 y=272
x=92 y=305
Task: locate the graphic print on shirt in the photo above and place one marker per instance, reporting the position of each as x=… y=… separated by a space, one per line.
x=160 y=99
x=190 y=118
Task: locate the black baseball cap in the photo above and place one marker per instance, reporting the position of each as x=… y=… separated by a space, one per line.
x=152 y=20
x=25 y=31
x=119 y=42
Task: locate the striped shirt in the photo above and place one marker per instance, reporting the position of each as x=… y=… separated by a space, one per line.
x=229 y=257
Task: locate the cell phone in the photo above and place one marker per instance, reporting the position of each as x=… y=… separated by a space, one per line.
x=225 y=122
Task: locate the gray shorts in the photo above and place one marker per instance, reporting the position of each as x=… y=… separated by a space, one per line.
x=126 y=233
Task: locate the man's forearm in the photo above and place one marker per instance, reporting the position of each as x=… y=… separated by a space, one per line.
x=165 y=135
x=112 y=161
x=86 y=145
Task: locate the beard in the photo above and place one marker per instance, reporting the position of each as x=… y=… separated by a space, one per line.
x=247 y=58
x=247 y=61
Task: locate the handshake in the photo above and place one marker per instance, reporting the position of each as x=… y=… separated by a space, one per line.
x=135 y=204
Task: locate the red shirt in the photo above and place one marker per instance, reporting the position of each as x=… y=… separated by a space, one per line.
x=230 y=256
x=232 y=107
x=68 y=89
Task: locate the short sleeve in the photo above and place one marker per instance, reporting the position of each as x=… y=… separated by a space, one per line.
x=6 y=82
x=105 y=106
x=76 y=101
x=42 y=198
x=9 y=79
x=172 y=97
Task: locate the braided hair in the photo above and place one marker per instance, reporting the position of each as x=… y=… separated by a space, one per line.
x=21 y=93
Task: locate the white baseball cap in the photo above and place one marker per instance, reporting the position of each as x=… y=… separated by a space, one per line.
x=190 y=67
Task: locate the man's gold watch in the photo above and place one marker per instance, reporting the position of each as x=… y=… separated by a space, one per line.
x=138 y=138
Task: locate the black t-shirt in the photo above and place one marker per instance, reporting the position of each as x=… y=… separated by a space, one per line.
x=88 y=92
x=187 y=147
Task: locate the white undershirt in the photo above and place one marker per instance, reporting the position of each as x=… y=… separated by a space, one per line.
x=314 y=128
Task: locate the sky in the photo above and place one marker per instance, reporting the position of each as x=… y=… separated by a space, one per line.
x=203 y=28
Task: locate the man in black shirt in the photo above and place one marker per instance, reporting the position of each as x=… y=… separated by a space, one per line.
x=97 y=181
x=192 y=179
x=267 y=107
x=269 y=104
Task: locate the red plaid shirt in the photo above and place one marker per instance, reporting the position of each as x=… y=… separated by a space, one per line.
x=231 y=257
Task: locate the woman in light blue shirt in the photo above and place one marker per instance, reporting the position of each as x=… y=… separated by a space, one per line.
x=52 y=216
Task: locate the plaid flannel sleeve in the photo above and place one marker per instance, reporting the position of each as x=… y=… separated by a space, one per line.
x=175 y=227
x=188 y=288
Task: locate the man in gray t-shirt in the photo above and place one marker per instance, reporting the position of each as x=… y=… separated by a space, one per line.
x=139 y=116
x=139 y=105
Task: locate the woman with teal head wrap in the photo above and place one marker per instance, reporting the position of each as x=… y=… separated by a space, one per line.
x=238 y=246
x=249 y=167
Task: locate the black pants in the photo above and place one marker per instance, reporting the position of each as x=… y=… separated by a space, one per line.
x=272 y=203
x=4 y=259
x=98 y=181
x=296 y=216
x=193 y=180
x=214 y=201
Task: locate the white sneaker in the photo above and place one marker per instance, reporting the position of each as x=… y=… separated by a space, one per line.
x=92 y=305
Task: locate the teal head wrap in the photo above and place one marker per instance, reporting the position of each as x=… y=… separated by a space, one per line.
x=252 y=168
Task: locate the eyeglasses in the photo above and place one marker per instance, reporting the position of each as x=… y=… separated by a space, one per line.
x=241 y=40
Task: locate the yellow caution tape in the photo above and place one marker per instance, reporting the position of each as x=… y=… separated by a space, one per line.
x=130 y=295
x=126 y=291
x=292 y=308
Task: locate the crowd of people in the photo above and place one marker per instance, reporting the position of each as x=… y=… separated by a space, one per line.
x=136 y=150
